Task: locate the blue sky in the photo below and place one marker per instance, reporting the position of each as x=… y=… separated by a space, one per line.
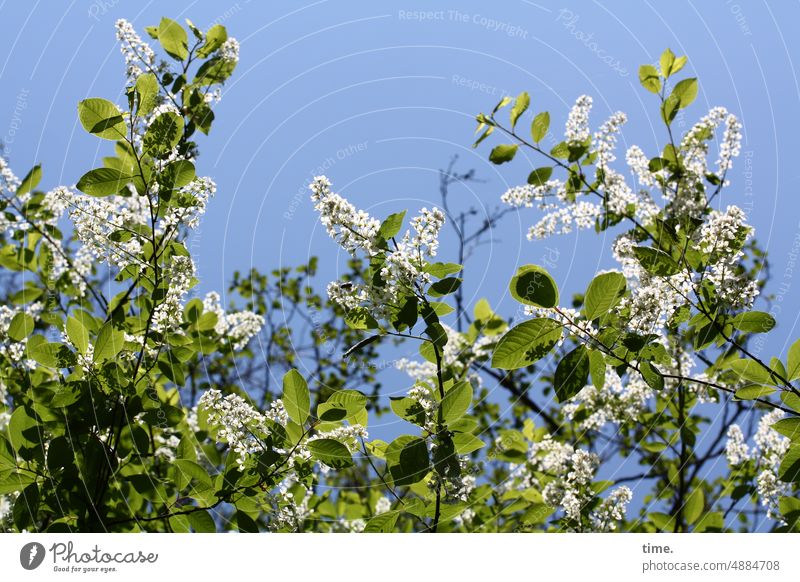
x=381 y=95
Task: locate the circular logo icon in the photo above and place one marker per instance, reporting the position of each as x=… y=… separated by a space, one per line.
x=31 y=555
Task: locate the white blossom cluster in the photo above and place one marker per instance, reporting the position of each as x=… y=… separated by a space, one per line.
x=526 y=195
x=581 y=215
x=564 y=475
x=684 y=195
x=237 y=423
x=652 y=299
x=353 y=229
x=237 y=327
x=96 y=220
x=769 y=448
x=139 y=57
x=289 y=512
x=382 y=505
x=722 y=237
x=201 y=191
x=8 y=179
x=403 y=269
x=14 y=350
x=617 y=402
x=604 y=141
x=639 y=164
x=356 y=231
x=229 y=50
x=577 y=128
x=179 y=277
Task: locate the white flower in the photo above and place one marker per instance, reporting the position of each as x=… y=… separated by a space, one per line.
x=577 y=129
x=767 y=453
x=229 y=50
x=383 y=505
x=605 y=139
x=236 y=422
x=736 y=450
x=139 y=57
x=353 y=229
x=527 y=194
x=611 y=510
x=731 y=145
x=9 y=179
x=637 y=161
x=237 y=327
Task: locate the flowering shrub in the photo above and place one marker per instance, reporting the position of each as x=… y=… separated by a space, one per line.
x=129 y=404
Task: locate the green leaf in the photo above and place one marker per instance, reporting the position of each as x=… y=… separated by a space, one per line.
x=440 y=270
x=597 y=369
x=456 y=402
x=392 y=225
x=437 y=333
x=693 y=508
x=103 y=182
x=78 y=334
x=30 y=181
x=685 y=92
x=751 y=370
x=656 y=262
x=163 y=134
x=109 y=343
x=526 y=343
x=540 y=176
x=102 y=118
x=331 y=452
x=662 y=521
x=408 y=460
x=202 y=522
x=788 y=427
x=147 y=90
x=215 y=36
x=753 y=392
x=21 y=326
x=43 y=352
x=678 y=64
x=189 y=470
x=572 y=374
x=793 y=361
x=520 y=106
x=533 y=285
x=789 y=470
x=24 y=431
x=604 y=293
x=503 y=153
x=331 y=412
x=754 y=322
x=666 y=61
x=296 y=397
x=214 y=70
x=352 y=400
x=173 y=38
x=652 y=376
x=444 y=287
x=383 y=523
x=467 y=443
x=177 y=174
x=540 y=126
x=648 y=77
